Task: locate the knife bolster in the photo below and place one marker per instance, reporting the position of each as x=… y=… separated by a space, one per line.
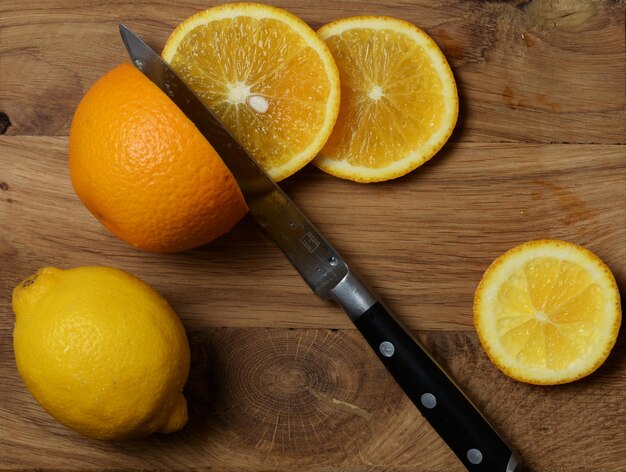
x=352 y=295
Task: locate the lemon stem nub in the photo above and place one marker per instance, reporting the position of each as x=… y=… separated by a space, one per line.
x=28 y=294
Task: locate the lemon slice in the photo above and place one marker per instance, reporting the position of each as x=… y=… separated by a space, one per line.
x=266 y=74
x=399 y=101
x=547 y=312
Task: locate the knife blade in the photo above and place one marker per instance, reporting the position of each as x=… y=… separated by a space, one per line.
x=438 y=398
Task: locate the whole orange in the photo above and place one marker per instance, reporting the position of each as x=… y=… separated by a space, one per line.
x=145 y=171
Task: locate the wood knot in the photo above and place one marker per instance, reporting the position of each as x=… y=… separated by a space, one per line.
x=286 y=392
x=289 y=378
x=5 y=122
x=560 y=14
x=4 y=186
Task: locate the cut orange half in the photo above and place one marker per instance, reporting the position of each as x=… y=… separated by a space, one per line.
x=547 y=312
x=266 y=74
x=399 y=100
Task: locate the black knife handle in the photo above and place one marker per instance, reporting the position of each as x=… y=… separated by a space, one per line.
x=435 y=394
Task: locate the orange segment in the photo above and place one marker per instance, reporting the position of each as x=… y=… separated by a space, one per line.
x=399 y=102
x=266 y=74
x=547 y=312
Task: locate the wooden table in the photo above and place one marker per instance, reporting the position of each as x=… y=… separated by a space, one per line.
x=280 y=380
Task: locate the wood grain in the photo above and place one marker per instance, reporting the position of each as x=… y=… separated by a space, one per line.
x=280 y=381
x=540 y=71
x=254 y=391
x=318 y=400
x=422 y=242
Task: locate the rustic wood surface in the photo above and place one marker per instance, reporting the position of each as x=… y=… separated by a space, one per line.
x=280 y=380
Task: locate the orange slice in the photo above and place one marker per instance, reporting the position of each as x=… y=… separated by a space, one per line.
x=399 y=102
x=266 y=74
x=547 y=312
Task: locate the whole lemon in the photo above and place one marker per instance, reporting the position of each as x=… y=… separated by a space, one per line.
x=101 y=351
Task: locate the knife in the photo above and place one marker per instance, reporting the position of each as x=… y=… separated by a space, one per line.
x=449 y=411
